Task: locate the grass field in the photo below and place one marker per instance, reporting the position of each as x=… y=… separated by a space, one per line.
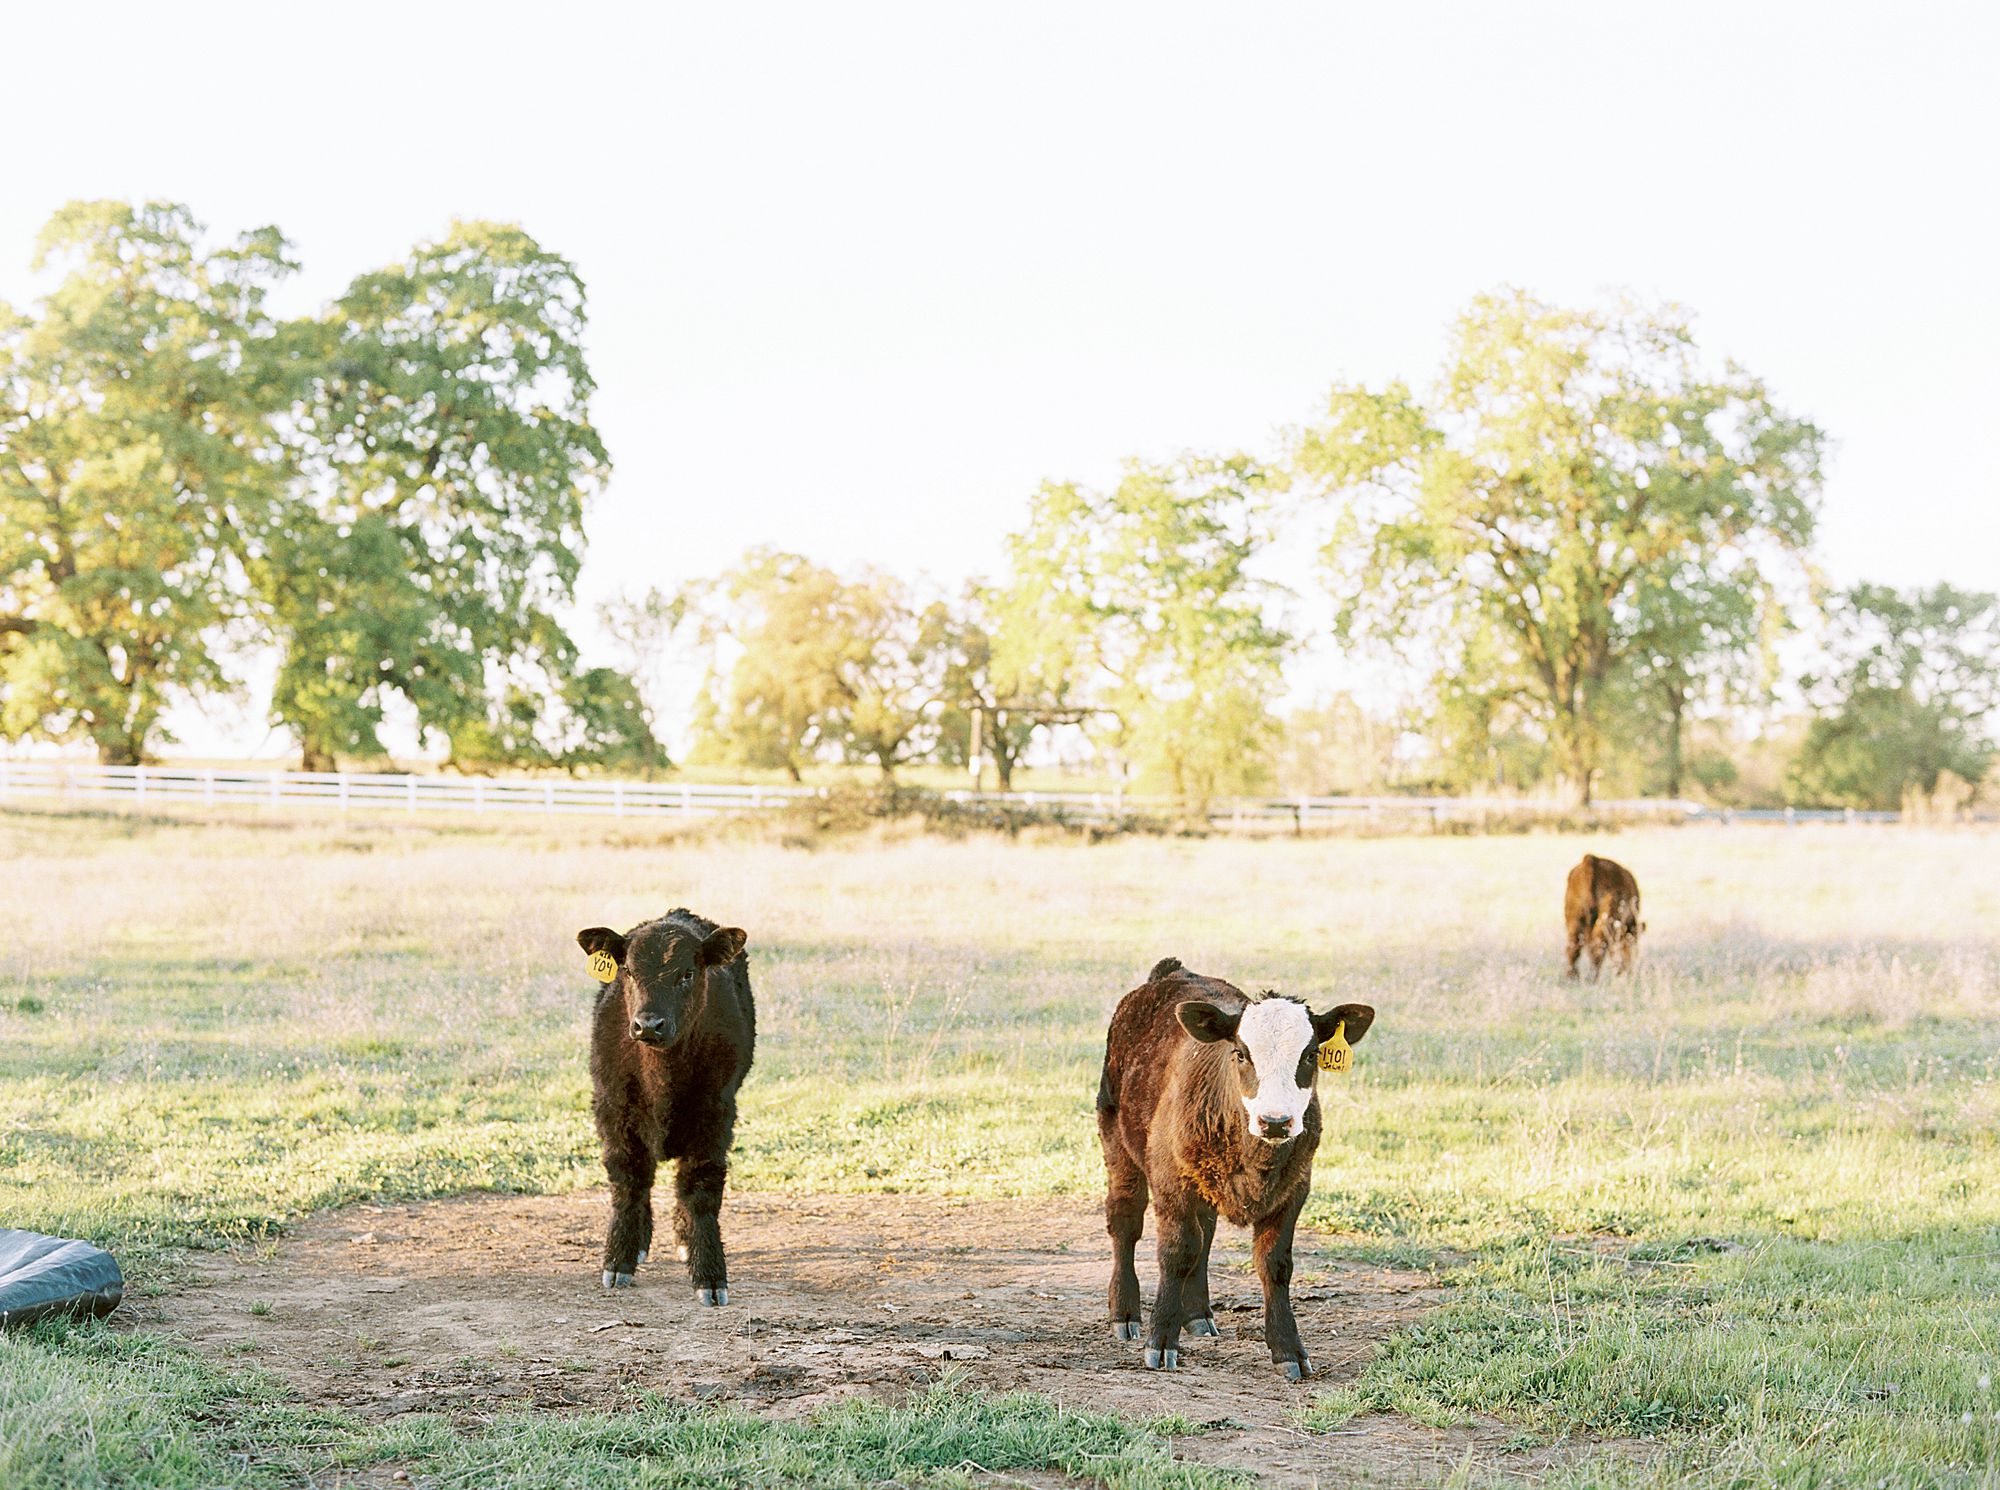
x=1745 y=1205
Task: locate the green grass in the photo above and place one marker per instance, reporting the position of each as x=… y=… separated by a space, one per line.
x=1747 y=1203
x=85 y=1405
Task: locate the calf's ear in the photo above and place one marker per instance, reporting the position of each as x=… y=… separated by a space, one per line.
x=722 y=945
x=1355 y=1017
x=595 y=939
x=1207 y=1022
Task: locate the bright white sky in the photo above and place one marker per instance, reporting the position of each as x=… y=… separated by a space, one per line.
x=862 y=275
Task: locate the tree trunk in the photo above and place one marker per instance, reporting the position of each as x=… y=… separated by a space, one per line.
x=119 y=750
x=120 y=744
x=1676 y=711
x=1573 y=761
x=315 y=757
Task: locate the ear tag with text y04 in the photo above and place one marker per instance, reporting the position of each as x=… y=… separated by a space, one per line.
x=603 y=967
x=1336 y=1054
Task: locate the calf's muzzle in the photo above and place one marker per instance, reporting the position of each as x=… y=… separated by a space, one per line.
x=653 y=1029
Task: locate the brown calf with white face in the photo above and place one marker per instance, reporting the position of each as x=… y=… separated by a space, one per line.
x=1209 y=1103
x=1601 y=914
x=670 y=1043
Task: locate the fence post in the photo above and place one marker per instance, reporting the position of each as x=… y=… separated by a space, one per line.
x=687 y=800
x=277 y=783
x=548 y=798
x=139 y=785
x=208 y=788
x=343 y=791
x=3 y=777
x=478 y=794
x=410 y=791
x=617 y=799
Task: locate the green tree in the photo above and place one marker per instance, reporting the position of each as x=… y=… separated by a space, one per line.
x=445 y=453
x=1002 y=678
x=1144 y=594
x=1911 y=688
x=775 y=632
x=138 y=471
x=890 y=683
x=807 y=663
x=1334 y=746
x=1514 y=531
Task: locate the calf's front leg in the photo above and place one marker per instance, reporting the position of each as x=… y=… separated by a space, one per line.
x=1201 y=1313
x=1271 y=1246
x=1180 y=1255
x=698 y=1185
x=629 y=1165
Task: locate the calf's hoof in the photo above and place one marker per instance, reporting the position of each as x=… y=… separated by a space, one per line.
x=715 y=1298
x=681 y=1253
x=1201 y=1327
x=1124 y=1329
x=1297 y=1370
x=642 y=1259
x=618 y=1280
x=1162 y=1360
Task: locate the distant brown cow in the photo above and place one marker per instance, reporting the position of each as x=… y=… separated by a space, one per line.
x=1601 y=911
x=670 y=1044
x=1208 y=1102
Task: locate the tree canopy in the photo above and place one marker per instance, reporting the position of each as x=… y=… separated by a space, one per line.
x=445 y=453
x=390 y=493
x=1579 y=494
x=1141 y=603
x=806 y=663
x=139 y=470
x=1909 y=691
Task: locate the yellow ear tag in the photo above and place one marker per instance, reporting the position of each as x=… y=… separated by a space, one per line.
x=1336 y=1054
x=604 y=967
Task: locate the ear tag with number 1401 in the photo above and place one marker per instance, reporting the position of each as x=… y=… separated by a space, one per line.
x=603 y=966
x=1336 y=1054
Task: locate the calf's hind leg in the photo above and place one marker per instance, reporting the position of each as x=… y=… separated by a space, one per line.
x=1125 y=1219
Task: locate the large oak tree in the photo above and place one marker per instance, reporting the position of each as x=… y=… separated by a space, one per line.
x=1139 y=603
x=445 y=453
x=1580 y=493
x=139 y=470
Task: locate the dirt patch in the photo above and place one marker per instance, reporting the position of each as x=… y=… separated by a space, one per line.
x=489 y=1302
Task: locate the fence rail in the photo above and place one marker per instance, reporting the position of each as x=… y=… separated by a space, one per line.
x=351 y=791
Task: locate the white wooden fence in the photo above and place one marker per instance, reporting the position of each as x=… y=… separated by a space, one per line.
x=140 y=786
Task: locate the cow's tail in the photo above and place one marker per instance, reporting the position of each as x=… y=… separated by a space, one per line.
x=1162 y=968
x=1107 y=1099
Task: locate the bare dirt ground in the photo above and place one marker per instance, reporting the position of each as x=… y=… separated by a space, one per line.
x=491 y=1302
